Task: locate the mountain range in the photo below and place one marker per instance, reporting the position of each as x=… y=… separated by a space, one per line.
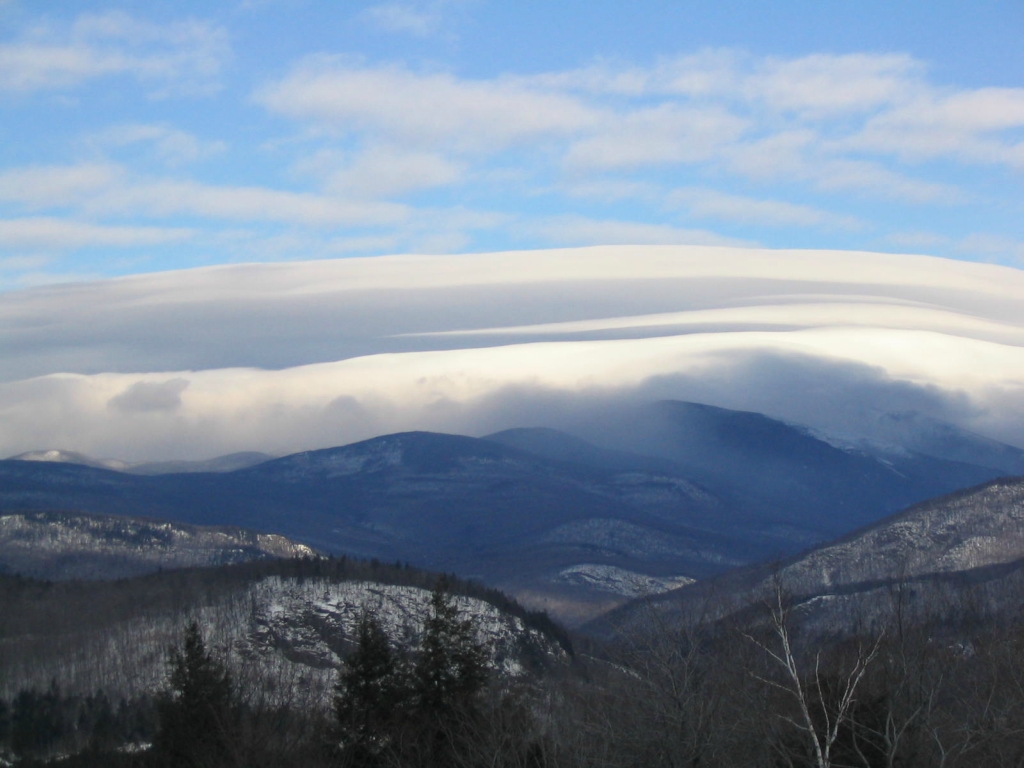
x=657 y=496
x=67 y=545
x=227 y=463
x=282 y=626
x=959 y=553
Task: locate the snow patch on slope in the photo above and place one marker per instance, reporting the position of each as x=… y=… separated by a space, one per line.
x=619 y=581
x=286 y=636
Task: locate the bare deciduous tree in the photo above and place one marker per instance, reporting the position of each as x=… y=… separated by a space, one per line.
x=824 y=702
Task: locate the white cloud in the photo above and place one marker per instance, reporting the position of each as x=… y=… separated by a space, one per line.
x=708 y=203
x=800 y=155
x=611 y=190
x=425 y=109
x=99 y=189
x=812 y=87
x=663 y=134
x=822 y=86
x=917 y=240
x=364 y=244
x=288 y=315
x=171 y=145
x=23 y=262
x=170 y=197
x=372 y=135
x=34 y=66
x=715 y=73
x=832 y=122
x=579 y=230
x=848 y=311
x=964 y=125
x=383 y=171
x=479 y=390
x=34 y=279
x=150 y=396
x=417 y=18
x=49 y=233
x=866 y=176
x=38 y=187
x=182 y=56
x=989 y=246
x=403 y=17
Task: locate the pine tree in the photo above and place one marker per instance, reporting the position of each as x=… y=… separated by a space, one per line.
x=197 y=716
x=449 y=671
x=370 y=694
x=5 y=725
x=36 y=721
x=451 y=666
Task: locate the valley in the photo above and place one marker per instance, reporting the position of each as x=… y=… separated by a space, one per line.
x=680 y=549
x=678 y=491
x=457 y=384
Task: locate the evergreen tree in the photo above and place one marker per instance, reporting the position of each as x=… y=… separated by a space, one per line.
x=5 y=725
x=36 y=721
x=450 y=670
x=99 y=720
x=371 y=692
x=197 y=717
x=451 y=666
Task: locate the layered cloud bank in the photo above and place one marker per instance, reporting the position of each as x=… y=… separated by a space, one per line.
x=283 y=357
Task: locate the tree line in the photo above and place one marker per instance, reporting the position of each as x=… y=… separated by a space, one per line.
x=418 y=707
x=922 y=684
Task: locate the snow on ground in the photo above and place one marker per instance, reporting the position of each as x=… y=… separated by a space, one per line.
x=619 y=581
x=282 y=638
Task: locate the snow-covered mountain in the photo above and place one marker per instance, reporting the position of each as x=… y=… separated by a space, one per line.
x=64 y=545
x=785 y=475
x=228 y=463
x=72 y=457
x=282 y=634
x=446 y=502
x=929 y=554
x=674 y=491
x=972 y=529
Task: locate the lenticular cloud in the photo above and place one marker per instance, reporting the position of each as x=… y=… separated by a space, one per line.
x=282 y=357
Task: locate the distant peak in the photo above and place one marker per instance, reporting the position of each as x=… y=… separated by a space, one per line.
x=58 y=456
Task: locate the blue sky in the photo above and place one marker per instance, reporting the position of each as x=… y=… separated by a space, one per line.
x=138 y=140
x=155 y=136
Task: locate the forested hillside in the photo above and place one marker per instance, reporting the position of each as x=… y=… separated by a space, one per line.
x=925 y=684
x=68 y=545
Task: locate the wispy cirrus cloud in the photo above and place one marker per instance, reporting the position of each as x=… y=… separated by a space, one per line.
x=836 y=123
x=171 y=145
x=667 y=133
x=965 y=125
x=386 y=155
x=575 y=230
x=169 y=197
x=381 y=171
x=404 y=17
x=426 y=18
x=182 y=56
x=50 y=186
x=431 y=109
x=709 y=203
x=109 y=189
x=60 y=234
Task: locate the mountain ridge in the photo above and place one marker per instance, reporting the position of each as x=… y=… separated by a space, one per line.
x=64 y=545
x=226 y=463
x=974 y=535
x=527 y=509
